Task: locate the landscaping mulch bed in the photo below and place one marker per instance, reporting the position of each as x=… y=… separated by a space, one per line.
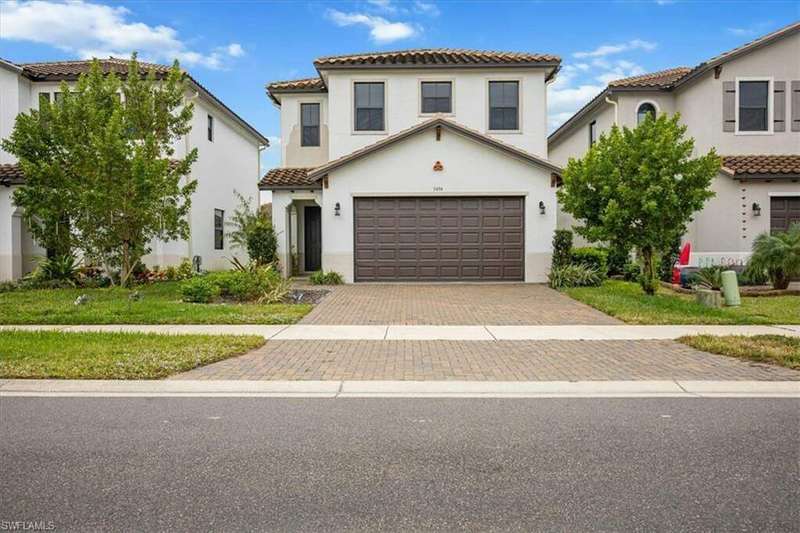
x=306 y=296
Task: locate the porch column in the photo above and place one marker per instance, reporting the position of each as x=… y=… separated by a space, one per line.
x=10 y=238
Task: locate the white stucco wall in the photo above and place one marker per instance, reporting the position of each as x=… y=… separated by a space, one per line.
x=406 y=168
x=292 y=153
x=470 y=104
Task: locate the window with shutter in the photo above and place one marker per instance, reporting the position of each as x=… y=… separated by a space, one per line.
x=779 y=102
x=753 y=106
x=728 y=106
x=795 y=99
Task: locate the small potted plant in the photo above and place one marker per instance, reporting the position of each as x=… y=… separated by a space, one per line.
x=708 y=285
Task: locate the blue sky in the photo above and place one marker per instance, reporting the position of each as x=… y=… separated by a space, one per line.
x=234 y=48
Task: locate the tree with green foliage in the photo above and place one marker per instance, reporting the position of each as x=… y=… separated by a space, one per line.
x=252 y=231
x=639 y=187
x=100 y=164
x=777 y=254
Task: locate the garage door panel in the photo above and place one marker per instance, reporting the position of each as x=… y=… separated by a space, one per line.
x=432 y=239
x=784 y=211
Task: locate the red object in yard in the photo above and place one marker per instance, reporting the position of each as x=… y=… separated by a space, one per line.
x=683 y=260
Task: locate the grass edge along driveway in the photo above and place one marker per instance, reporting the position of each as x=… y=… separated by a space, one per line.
x=771 y=349
x=626 y=301
x=52 y=354
x=160 y=303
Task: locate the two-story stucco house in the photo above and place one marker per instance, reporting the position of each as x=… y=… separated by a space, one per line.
x=228 y=160
x=417 y=165
x=745 y=103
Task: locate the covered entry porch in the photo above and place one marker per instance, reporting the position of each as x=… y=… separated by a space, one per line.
x=297 y=216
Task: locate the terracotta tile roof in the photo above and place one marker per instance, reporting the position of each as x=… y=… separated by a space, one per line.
x=282 y=178
x=306 y=84
x=320 y=171
x=762 y=165
x=662 y=79
x=11 y=174
x=70 y=70
x=436 y=57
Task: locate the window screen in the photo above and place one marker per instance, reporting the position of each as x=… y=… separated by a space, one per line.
x=437 y=97
x=369 y=106
x=309 y=122
x=753 y=104
x=219 y=230
x=503 y=105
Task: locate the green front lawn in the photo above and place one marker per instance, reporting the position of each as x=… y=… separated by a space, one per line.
x=50 y=354
x=773 y=349
x=627 y=302
x=160 y=304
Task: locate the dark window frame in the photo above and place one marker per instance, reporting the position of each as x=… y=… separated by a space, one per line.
x=592 y=133
x=313 y=130
x=504 y=109
x=210 y=128
x=371 y=110
x=640 y=115
x=435 y=102
x=750 y=108
x=45 y=96
x=219 y=229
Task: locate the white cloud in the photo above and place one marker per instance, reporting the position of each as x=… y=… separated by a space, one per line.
x=610 y=49
x=235 y=50
x=384 y=5
x=380 y=29
x=96 y=30
x=426 y=8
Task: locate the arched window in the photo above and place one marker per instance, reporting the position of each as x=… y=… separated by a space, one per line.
x=645 y=109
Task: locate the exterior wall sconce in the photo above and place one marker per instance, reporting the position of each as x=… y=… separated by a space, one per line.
x=541 y=208
x=337 y=209
x=756 y=209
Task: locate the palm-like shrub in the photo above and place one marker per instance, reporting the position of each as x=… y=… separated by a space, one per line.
x=579 y=275
x=778 y=255
x=709 y=278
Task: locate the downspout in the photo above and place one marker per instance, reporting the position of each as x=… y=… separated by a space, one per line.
x=616 y=110
x=189 y=242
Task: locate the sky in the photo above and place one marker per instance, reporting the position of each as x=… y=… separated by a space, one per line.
x=234 y=48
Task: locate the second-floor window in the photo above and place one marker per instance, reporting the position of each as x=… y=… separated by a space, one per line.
x=210 y=128
x=369 y=106
x=592 y=132
x=503 y=105
x=437 y=97
x=309 y=124
x=754 y=105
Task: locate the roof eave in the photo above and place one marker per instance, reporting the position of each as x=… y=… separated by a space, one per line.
x=418 y=66
x=239 y=120
x=307 y=187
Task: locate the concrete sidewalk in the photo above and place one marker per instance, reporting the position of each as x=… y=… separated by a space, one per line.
x=452 y=333
x=401 y=389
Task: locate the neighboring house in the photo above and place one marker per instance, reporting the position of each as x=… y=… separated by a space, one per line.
x=417 y=165
x=228 y=159
x=745 y=103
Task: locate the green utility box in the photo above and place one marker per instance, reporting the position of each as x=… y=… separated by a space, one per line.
x=730 y=288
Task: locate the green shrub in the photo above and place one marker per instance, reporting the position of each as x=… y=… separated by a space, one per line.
x=577 y=275
x=259 y=283
x=170 y=273
x=184 y=270
x=631 y=271
x=562 y=247
x=668 y=260
x=262 y=242
x=709 y=278
x=778 y=255
x=617 y=257
x=199 y=290
x=326 y=278
x=753 y=276
x=596 y=258
x=60 y=268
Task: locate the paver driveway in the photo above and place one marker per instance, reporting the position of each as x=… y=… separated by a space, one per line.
x=485 y=361
x=458 y=304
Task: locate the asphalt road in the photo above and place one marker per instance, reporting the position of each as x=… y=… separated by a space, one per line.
x=202 y=464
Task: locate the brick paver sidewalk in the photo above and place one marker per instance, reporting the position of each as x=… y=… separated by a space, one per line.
x=452 y=304
x=485 y=361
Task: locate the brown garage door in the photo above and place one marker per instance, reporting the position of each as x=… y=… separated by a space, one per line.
x=783 y=211
x=439 y=239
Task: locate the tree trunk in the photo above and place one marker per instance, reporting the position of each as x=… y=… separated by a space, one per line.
x=648 y=279
x=779 y=279
x=125 y=271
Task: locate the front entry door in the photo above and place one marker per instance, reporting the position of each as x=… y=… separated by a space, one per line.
x=312 y=221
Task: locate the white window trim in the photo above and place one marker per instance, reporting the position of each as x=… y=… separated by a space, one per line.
x=783 y=194
x=770 y=104
x=385 y=130
x=520 y=92
x=441 y=79
x=300 y=102
x=638 y=105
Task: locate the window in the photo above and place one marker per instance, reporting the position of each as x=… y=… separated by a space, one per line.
x=503 y=105
x=219 y=231
x=437 y=97
x=57 y=97
x=753 y=105
x=44 y=97
x=645 y=109
x=369 y=106
x=592 y=132
x=210 y=128
x=309 y=123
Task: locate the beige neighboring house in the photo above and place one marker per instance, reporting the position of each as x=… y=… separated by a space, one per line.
x=745 y=103
x=228 y=160
x=417 y=165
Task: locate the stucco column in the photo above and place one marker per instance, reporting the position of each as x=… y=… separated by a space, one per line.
x=10 y=238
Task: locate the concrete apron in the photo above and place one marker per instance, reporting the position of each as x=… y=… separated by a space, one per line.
x=401 y=389
x=455 y=333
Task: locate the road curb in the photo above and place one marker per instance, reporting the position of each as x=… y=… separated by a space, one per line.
x=401 y=389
